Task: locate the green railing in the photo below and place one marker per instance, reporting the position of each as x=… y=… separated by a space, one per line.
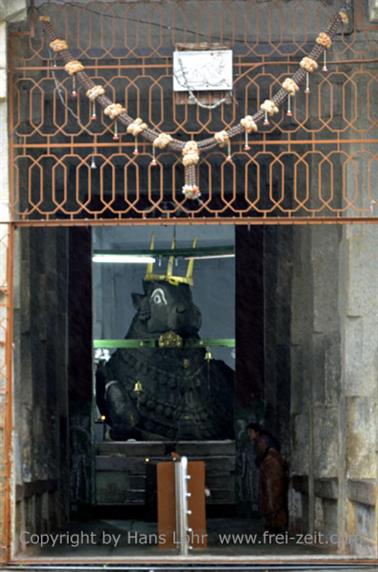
x=147 y=343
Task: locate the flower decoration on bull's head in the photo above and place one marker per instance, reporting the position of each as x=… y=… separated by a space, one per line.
x=175 y=280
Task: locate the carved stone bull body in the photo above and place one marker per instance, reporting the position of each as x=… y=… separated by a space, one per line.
x=183 y=395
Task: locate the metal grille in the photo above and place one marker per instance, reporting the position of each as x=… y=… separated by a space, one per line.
x=320 y=164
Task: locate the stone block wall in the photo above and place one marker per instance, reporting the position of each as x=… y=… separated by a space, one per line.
x=359 y=316
x=41 y=424
x=334 y=344
x=321 y=375
x=315 y=337
x=277 y=265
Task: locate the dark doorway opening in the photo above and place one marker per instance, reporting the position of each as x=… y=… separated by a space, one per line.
x=71 y=476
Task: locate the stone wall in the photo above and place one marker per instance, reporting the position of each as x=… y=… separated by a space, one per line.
x=80 y=361
x=315 y=372
x=321 y=349
x=277 y=265
x=52 y=377
x=359 y=339
x=334 y=344
x=41 y=423
x=249 y=394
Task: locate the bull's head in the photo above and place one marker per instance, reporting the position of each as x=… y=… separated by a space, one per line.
x=166 y=307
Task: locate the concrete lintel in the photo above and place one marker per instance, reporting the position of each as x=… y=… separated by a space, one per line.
x=362 y=491
x=36 y=488
x=326 y=488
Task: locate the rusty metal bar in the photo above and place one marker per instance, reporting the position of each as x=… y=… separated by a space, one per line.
x=280 y=142
x=192 y=221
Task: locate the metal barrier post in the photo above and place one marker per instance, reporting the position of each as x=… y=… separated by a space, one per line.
x=182 y=511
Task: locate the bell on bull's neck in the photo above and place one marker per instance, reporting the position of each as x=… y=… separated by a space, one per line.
x=138 y=388
x=169 y=276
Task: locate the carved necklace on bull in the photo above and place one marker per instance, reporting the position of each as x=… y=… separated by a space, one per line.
x=191 y=149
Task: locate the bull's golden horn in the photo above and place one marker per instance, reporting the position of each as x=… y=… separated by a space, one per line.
x=171 y=260
x=169 y=276
x=189 y=271
x=150 y=265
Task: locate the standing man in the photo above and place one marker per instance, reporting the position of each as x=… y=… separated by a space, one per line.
x=273 y=479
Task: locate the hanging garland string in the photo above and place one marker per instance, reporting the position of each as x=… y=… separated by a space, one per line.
x=191 y=150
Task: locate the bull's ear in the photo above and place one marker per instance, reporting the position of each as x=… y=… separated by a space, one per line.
x=137 y=300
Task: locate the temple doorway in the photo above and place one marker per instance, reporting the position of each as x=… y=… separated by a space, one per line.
x=256 y=289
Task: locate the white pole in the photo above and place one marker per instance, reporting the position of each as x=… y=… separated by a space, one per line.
x=182 y=511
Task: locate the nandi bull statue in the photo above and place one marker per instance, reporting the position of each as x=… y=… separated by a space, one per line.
x=170 y=389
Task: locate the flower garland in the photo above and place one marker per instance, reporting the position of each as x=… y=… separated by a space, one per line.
x=191 y=149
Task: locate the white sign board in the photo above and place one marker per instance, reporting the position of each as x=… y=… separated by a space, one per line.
x=202 y=70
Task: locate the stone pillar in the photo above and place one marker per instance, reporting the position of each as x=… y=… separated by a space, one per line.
x=359 y=327
x=315 y=366
x=334 y=349
x=277 y=311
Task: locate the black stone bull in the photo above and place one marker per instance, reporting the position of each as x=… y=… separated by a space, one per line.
x=184 y=395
